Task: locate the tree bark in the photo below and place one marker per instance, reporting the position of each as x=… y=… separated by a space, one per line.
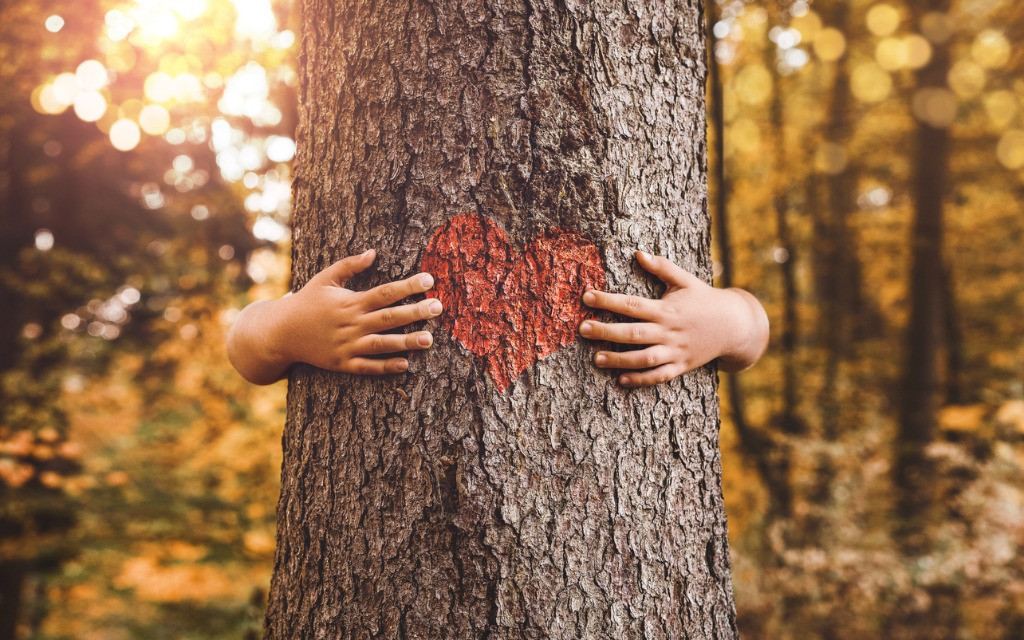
x=482 y=501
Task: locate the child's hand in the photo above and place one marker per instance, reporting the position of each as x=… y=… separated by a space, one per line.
x=691 y=325
x=331 y=327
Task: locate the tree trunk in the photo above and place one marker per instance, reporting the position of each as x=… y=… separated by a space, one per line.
x=954 y=338
x=12 y=584
x=754 y=445
x=502 y=493
x=838 y=271
x=920 y=374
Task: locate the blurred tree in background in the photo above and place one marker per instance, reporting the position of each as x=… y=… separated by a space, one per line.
x=867 y=168
x=144 y=181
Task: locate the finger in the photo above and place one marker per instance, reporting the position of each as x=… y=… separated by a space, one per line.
x=394 y=317
x=375 y=367
x=392 y=342
x=392 y=292
x=342 y=271
x=636 y=359
x=632 y=306
x=624 y=332
x=664 y=373
x=667 y=271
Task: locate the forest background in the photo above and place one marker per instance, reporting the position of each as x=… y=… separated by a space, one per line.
x=867 y=167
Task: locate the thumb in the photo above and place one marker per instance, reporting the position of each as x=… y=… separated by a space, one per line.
x=667 y=271
x=341 y=271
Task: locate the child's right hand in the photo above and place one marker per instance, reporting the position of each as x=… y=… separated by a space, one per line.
x=331 y=327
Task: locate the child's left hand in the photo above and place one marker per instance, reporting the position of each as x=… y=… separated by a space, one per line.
x=692 y=324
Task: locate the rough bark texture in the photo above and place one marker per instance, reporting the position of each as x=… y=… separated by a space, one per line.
x=562 y=506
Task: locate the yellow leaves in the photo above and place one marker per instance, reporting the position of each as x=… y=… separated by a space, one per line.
x=963 y=419
x=117 y=479
x=15 y=474
x=154 y=582
x=259 y=543
x=184 y=551
x=1011 y=415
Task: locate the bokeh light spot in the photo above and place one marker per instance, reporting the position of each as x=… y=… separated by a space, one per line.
x=90 y=106
x=154 y=119
x=159 y=87
x=883 y=19
x=125 y=135
x=830 y=45
x=280 y=149
x=754 y=84
x=54 y=23
x=919 y=50
x=1001 y=107
x=808 y=24
x=935 y=106
x=1011 y=149
x=44 y=239
x=891 y=54
x=65 y=88
x=937 y=27
x=49 y=102
x=967 y=78
x=870 y=83
x=744 y=136
x=991 y=49
x=91 y=75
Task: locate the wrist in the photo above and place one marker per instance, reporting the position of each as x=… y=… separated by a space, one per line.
x=749 y=331
x=278 y=331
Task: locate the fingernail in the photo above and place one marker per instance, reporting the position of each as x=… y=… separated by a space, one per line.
x=625 y=380
x=435 y=307
x=425 y=339
x=366 y=253
x=426 y=280
x=403 y=365
x=600 y=359
x=645 y=255
x=585 y=327
x=589 y=298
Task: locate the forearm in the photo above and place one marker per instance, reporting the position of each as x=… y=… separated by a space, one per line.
x=751 y=337
x=253 y=343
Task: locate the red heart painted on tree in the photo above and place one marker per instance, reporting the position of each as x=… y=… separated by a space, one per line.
x=510 y=308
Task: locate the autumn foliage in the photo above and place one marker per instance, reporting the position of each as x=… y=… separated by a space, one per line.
x=145 y=150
